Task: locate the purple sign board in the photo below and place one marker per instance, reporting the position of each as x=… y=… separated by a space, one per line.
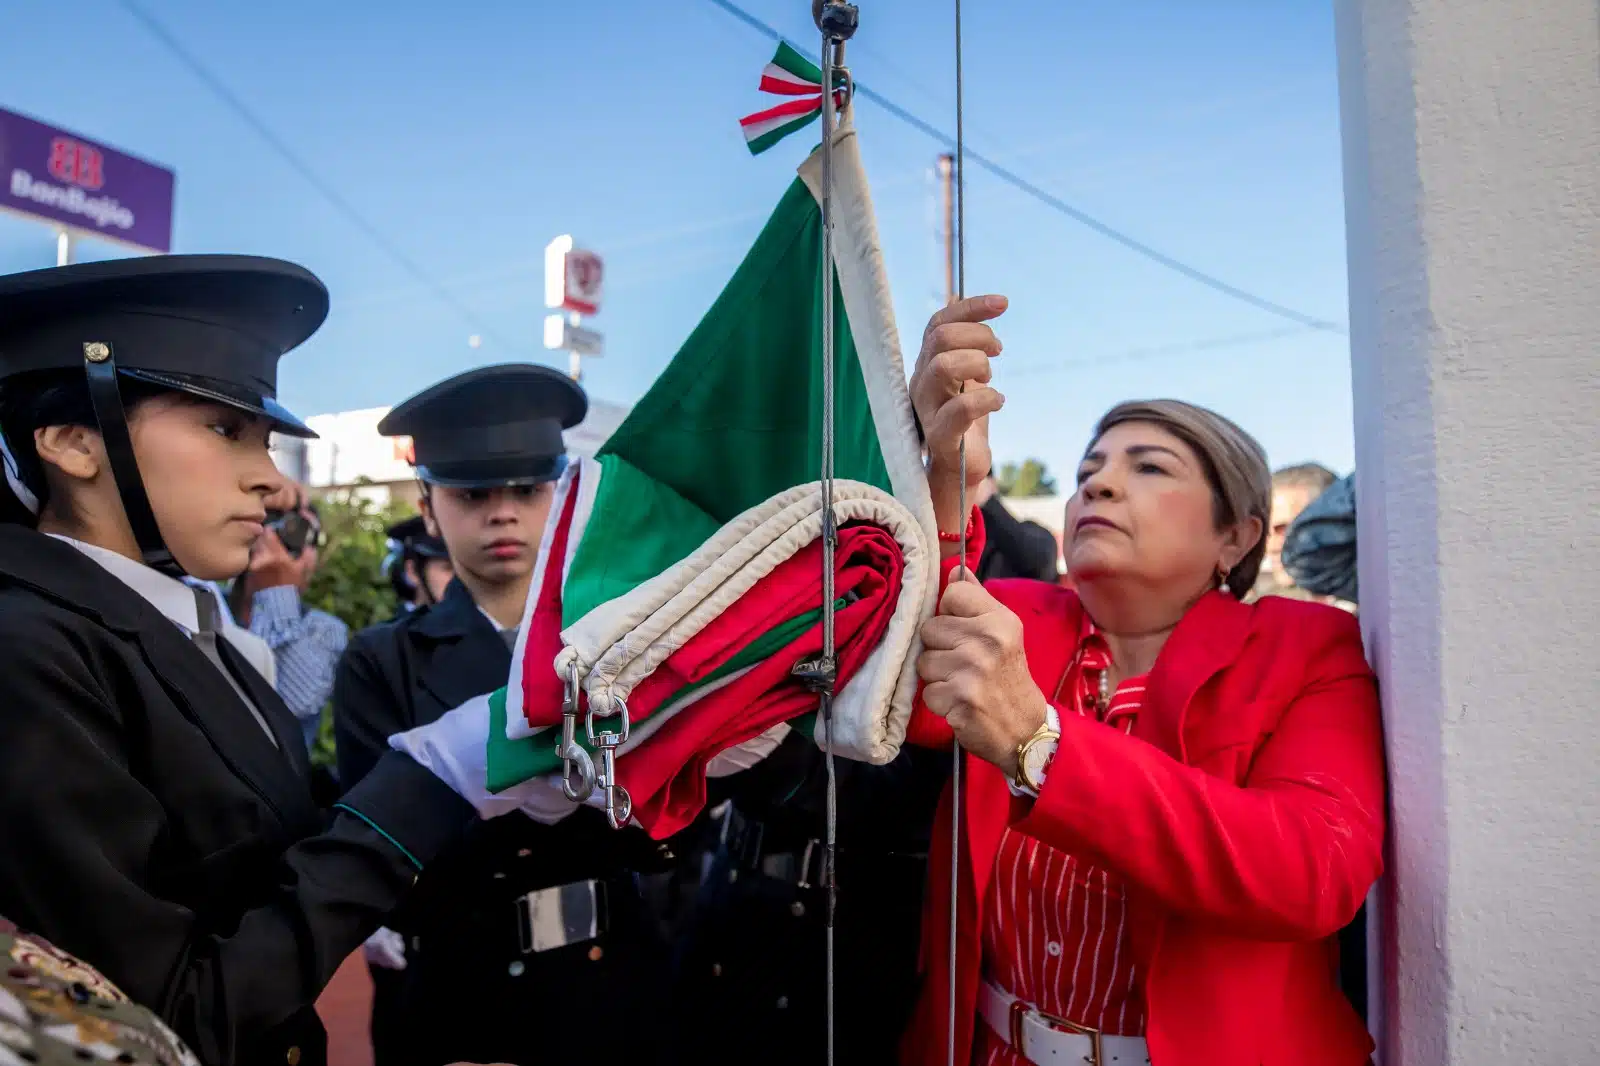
x=69 y=181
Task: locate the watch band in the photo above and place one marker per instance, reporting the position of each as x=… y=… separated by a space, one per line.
x=1047 y=734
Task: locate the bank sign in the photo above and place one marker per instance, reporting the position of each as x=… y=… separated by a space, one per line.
x=60 y=178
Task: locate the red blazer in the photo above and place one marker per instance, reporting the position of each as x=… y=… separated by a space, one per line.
x=1245 y=811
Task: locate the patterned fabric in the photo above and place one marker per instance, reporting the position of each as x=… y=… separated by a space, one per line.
x=55 y=1009
x=307 y=644
x=1056 y=936
x=1319 y=550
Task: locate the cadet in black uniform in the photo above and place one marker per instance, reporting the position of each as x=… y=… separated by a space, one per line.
x=478 y=939
x=751 y=985
x=158 y=820
x=418 y=566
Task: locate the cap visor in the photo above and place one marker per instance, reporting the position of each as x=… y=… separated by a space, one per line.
x=280 y=417
x=464 y=477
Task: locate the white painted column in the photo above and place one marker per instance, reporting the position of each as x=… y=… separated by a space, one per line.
x=1472 y=186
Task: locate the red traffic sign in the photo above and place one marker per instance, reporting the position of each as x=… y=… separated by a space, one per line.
x=585 y=273
x=573 y=277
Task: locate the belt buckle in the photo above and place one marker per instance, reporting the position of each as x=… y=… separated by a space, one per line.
x=550 y=918
x=1019 y=1013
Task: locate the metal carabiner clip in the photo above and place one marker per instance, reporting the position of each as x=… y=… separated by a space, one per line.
x=619 y=805
x=577 y=768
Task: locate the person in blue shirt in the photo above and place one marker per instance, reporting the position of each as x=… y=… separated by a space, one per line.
x=306 y=643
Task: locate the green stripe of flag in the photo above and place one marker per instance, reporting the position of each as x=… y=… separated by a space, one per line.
x=792 y=61
x=763 y=141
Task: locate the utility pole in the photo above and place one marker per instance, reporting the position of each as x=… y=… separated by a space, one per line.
x=947 y=185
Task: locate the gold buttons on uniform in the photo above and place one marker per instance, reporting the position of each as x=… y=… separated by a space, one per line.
x=293 y=1057
x=99 y=352
x=596 y=953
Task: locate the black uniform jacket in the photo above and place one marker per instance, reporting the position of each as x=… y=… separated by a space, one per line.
x=752 y=964
x=408 y=672
x=464 y=952
x=150 y=826
x=1014 y=548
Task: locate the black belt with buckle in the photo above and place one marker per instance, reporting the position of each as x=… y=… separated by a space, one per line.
x=541 y=920
x=550 y=918
x=753 y=847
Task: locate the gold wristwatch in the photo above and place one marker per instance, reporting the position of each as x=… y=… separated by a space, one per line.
x=1034 y=754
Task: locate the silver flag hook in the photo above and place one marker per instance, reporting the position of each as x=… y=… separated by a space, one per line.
x=577 y=769
x=618 y=804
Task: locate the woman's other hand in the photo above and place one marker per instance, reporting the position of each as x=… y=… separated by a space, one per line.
x=976 y=674
x=953 y=399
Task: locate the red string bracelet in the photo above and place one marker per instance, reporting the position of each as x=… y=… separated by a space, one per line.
x=957 y=538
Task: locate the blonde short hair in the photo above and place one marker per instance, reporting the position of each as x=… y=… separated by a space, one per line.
x=1235 y=466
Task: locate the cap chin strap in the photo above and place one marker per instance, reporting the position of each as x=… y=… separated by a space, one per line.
x=100 y=367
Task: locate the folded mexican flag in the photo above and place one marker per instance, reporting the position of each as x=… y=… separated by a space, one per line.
x=680 y=572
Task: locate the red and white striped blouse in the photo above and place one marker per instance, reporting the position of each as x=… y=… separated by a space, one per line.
x=1056 y=936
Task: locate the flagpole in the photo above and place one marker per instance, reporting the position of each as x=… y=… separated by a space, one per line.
x=837 y=22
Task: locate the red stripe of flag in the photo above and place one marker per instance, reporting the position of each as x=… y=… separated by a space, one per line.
x=784 y=110
x=788 y=88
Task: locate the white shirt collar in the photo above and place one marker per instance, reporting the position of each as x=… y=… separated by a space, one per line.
x=498 y=628
x=166 y=594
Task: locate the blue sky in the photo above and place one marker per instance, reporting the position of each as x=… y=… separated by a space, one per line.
x=471 y=134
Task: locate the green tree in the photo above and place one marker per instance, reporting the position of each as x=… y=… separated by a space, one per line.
x=349 y=583
x=1027 y=478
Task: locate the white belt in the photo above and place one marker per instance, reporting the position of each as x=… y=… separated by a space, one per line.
x=1049 y=1041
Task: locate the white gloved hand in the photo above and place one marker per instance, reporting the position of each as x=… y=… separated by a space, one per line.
x=386 y=948
x=455 y=748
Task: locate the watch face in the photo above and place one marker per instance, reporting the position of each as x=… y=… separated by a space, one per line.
x=1035 y=759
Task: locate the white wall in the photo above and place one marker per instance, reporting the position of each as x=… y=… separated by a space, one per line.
x=1472 y=169
x=349 y=448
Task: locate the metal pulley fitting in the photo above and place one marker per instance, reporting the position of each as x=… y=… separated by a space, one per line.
x=836 y=19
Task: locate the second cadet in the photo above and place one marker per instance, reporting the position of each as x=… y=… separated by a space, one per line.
x=531 y=930
x=418 y=567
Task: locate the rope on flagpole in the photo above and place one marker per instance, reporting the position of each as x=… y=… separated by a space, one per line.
x=955 y=767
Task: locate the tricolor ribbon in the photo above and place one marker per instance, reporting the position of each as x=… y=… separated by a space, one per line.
x=789 y=74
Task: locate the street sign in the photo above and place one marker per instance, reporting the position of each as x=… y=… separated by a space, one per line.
x=58 y=177
x=573 y=277
x=562 y=336
x=585 y=341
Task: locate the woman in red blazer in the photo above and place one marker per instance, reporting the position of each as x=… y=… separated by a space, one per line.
x=1172 y=800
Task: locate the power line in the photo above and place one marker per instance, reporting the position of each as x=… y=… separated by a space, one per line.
x=301 y=167
x=1083 y=218
x=1134 y=355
